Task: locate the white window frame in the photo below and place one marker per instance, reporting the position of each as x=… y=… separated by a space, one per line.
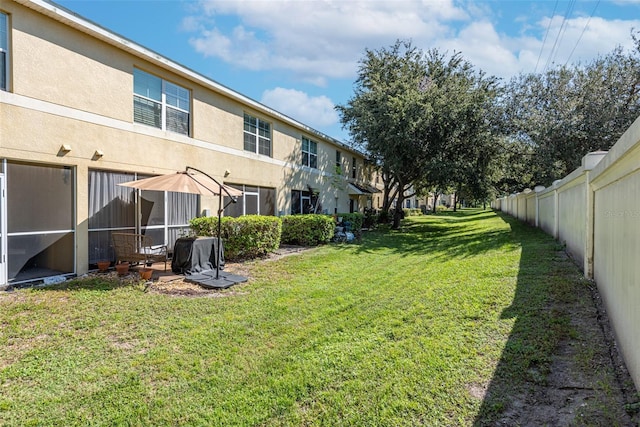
x=309 y=155
x=164 y=105
x=257 y=135
x=4 y=48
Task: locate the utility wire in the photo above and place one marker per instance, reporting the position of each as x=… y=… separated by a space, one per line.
x=563 y=28
x=545 y=36
x=583 y=31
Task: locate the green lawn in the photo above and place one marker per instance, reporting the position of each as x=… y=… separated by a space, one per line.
x=399 y=329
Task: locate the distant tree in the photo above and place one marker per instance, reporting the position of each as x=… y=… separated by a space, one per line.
x=513 y=167
x=566 y=112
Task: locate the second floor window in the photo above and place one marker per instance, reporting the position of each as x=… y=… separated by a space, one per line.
x=309 y=153
x=353 y=167
x=338 y=160
x=159 y=103
x=257 y=135
x=4 y=51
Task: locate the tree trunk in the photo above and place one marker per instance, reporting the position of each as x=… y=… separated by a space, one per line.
x=435 y=201
x=455 y=201
x=397 y=214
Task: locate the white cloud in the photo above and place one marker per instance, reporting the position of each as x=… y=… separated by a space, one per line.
x=318 y=40
x=315 y=40
x=505 y=55
x=318 y=111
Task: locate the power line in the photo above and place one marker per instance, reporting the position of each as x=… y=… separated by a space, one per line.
x=545 y=35
x=583 y=31
x=563 y=28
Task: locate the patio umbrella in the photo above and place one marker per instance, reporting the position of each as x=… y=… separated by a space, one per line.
x=194 y=181
x=186 y=181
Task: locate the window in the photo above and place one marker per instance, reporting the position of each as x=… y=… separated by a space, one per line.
x=338 y=160
x=309 y=153
x=305 y=202
x=254 y=201
x=159 y=103
x=257 y=135
x=353 y=167
x=4 y=51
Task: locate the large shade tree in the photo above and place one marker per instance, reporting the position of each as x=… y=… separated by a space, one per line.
x=422 y=117
x=385 y=116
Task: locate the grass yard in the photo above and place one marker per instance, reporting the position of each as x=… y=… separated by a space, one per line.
x=408 y=327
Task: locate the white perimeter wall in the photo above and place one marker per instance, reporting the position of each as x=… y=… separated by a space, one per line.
x=595 y=211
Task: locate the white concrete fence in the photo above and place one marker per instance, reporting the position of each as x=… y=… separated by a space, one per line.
x=595 y=212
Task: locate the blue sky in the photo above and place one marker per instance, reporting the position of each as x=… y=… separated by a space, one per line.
x=301 y=57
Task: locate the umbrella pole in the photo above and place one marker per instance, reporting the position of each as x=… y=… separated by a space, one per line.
x=219 y=226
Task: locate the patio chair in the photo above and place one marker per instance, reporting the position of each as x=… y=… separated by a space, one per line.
x=137 y=248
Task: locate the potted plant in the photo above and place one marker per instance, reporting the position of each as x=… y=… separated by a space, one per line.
x=103 y=266
x=122 y=268
x=145 y=273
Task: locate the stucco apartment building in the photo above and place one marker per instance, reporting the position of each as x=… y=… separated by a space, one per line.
x=83 y=109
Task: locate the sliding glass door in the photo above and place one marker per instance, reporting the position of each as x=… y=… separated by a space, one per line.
x=163 y=216
x=3 y=234
x=40 y=221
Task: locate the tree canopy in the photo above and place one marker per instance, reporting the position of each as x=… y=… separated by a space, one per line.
x=422 y=117
x=566 y=112
x=431 y=121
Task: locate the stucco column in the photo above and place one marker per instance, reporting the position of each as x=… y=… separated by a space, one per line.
x=588 y=163
x=538 y=189
x=556 y=210
x=82 y=219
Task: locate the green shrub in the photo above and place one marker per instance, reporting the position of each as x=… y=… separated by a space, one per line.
x=370 y=218
x=411 y=212
x=356 y=219
x=307 y=230
x=384 y=217
x=441 y=208
x=245 y=237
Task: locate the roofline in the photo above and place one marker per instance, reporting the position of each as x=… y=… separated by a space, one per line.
x=80 y=23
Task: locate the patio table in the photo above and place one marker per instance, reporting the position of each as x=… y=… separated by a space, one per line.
x=195 y=254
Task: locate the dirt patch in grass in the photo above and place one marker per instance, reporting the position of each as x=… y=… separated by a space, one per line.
x=182 y=288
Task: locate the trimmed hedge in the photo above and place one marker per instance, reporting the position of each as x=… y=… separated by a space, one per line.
x=245 y=237
x=307 y=230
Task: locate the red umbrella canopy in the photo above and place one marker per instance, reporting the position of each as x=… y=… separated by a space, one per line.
x=184 y=182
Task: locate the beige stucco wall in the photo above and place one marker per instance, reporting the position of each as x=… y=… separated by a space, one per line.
x=521 y=206
x=616 y=185
x=68 y=87
x=530 y=214
x=546 y=212
x=572 y=211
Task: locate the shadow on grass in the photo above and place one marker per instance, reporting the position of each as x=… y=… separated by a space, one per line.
x=542 y=280
x=538 y=327
x=451 y=236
